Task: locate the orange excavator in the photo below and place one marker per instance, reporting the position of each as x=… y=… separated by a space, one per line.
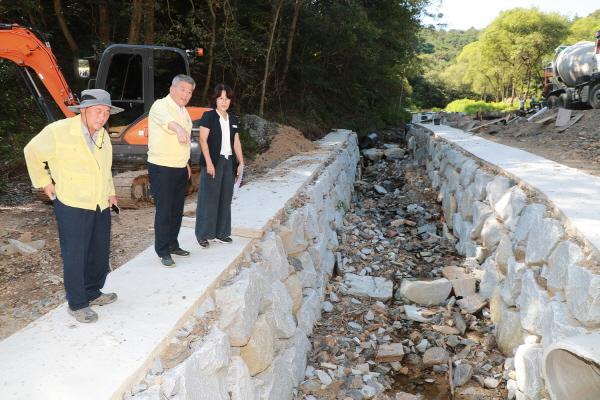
x=134 y=75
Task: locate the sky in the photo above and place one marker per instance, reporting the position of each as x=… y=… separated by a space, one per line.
x=464 y=14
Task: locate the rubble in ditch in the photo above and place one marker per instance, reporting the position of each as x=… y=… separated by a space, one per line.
x=402 y=319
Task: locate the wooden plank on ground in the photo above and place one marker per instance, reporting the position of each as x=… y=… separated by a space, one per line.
x=547 y=120
x=487 y=124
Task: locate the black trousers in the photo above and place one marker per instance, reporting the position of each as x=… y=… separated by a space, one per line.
x=85 y=246
x=168 y=187
x=213 y=211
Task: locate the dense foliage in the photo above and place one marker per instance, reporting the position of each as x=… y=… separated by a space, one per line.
x=469 y=106
x=315 y=64
x=502 y=62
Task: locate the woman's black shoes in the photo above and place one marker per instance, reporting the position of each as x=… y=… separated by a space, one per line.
x=203 y=243
x=227 y=240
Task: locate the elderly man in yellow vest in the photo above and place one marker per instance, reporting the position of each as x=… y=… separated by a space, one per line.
x=169 y=145
x=79 y=181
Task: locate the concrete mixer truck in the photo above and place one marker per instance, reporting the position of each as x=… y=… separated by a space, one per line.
x=573 y=78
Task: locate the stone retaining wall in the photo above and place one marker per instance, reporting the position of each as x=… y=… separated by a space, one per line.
x=249 y=339
x=537 y=274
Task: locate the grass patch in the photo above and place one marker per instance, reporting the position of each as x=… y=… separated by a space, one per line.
x=470 y=107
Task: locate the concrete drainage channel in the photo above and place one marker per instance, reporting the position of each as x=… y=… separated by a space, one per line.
x=532 y=226
x=249 y=338
x=400 y=318
x=485 y=297
x=492 y=295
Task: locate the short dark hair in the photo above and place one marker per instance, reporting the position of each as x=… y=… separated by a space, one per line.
x=217 y=93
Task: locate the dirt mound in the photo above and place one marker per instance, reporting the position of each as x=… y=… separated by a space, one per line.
x=287 y=143
x=578 y=146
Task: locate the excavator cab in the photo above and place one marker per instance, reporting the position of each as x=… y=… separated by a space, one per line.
x=135 y=76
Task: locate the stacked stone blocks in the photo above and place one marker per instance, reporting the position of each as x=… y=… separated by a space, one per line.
x=535 y=275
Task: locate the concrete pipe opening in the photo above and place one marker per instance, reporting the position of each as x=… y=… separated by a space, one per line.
x=572 y=368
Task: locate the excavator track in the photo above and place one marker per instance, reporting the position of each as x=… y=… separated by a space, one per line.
x=133 y=188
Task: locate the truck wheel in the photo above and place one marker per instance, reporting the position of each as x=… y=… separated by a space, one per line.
x=552 y=101
x=595 y=96
x=563 y=101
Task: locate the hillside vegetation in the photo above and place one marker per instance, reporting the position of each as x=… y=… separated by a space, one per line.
x=502 y=62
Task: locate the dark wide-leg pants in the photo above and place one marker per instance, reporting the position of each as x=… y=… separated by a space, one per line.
x=85 y=246
x=168 y=186
x=213 y=212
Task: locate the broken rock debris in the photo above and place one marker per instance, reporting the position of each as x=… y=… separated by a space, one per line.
x=404 y=319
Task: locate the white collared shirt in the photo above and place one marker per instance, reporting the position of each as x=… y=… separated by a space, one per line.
x=225 y=136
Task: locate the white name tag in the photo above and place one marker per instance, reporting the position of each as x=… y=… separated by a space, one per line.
x=234 y=126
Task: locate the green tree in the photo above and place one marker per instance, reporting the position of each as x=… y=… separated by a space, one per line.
x=518 y=40
x=584 y=28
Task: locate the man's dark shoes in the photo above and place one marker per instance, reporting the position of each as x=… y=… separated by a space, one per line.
x=180 y=252
x=203 y=243
x=227 y=240
x=167 y=261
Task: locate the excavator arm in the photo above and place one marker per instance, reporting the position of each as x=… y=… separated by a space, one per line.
x=21 y=46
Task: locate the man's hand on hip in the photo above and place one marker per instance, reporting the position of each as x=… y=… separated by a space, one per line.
x=112 y=200
x=49 y=191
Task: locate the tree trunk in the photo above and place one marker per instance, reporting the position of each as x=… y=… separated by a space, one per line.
x=276 y=10
x=211 y=46
x=290 y=42
x=104 y=24
x=65 y=29
x=136 y=21
x=149 y=7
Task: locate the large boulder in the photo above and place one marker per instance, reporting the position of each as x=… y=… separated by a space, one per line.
x=258 y=353
x=528 y=367
x=277 y=382
x=310 y=311
x=559 y=324
x=280 y=312
x=272 y=252
x=427 y=293
x=529 y=216
x=238 y=305
x=566 y=253
x=368 y=286
x=496 y=189
x=202 y=375
x=292 y=233
x=512 y=284
x=542 y=238
x=583 y=295
x=509 y=206
x=239 y=381
x=532 y=303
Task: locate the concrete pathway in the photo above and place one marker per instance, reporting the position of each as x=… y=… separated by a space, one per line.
x=56 y=358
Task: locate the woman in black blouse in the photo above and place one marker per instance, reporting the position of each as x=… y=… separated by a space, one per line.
x=220 y=160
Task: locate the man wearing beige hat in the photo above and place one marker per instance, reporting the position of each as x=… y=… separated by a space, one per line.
x=79 y=182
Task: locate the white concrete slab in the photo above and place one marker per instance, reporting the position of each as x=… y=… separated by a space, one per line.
x=575 y=194
x=57 y=358
x=269 y=195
